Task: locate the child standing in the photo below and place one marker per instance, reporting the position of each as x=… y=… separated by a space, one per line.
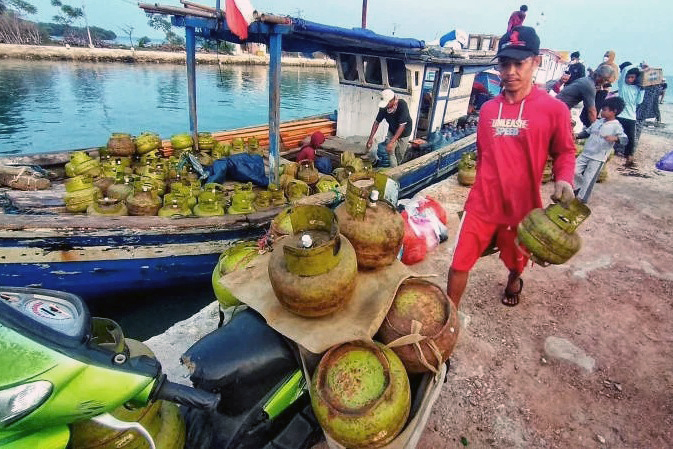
x=603 y=134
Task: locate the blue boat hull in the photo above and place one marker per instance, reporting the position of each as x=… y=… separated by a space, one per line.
x=94 y=279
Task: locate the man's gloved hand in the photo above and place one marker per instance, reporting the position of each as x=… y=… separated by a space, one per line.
x=563 y=192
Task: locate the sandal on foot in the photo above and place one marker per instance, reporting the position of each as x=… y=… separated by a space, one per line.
x=512 y=298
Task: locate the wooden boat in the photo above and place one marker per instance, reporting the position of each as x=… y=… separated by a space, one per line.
x=93 y=256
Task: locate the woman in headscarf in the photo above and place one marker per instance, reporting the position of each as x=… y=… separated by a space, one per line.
x=609 y=60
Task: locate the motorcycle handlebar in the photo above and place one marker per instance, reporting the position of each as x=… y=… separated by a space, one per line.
x=187 y=396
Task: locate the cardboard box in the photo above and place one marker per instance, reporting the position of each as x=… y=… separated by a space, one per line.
x=651 y=76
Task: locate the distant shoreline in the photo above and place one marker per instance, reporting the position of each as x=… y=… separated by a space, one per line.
x=40 y=52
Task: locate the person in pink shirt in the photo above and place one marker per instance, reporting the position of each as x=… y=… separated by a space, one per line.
x=516 y=18
x=517 y=131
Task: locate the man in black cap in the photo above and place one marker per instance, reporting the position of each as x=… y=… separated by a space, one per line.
x=518 y=130
x=576 y=68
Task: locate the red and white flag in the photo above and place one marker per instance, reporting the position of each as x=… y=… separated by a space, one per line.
x=240 y=14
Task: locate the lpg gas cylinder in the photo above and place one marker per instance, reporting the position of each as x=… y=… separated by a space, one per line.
x=372 y=225
x=549 y=234
x=428 y=319
x=313 y=270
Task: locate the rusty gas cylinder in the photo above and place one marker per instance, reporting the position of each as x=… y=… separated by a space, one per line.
x=428 y=320
x=371 y=224
x=313 y=270
x=360 y=394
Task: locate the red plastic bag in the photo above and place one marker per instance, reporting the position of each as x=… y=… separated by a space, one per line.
x=414 y=247
x=429 y=202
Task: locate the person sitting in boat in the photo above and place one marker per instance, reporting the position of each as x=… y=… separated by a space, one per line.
x=308 y=150
x=395 y=111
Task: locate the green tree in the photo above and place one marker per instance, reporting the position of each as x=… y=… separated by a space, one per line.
x=160 y=23
x=68 y=14
x=144 y=42
x=17 y=6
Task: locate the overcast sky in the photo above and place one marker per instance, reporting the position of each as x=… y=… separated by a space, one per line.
x=635 y=30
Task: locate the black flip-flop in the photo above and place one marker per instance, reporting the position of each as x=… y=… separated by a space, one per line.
x=512 y=296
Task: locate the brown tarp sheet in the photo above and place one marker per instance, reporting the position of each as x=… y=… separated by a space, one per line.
x=360 y=319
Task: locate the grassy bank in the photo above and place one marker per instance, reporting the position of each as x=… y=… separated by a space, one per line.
x=36 y=52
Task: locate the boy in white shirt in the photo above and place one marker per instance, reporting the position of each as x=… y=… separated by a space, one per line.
x=603 y=134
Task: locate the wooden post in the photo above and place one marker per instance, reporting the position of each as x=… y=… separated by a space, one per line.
x=364 y=13
x=274 y=106
x=190 y=45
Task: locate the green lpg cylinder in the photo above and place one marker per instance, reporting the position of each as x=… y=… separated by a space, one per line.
x=313 y=274
x=374 y=227
x=161 y=419
x=206 y=141
x=327 y=183
x=208 y=206
x=549 y=235
x=107 y=206
x=79 y=200
x=241 y=203
x=467 y=169
x=122 y=187
x=235 y=257
x=147 y=141
x=174 y=205
x=360 y=394
x=181 y=141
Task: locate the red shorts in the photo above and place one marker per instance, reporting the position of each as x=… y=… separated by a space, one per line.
x=475 y=235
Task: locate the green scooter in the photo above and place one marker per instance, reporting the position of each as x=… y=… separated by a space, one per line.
x=61 y=366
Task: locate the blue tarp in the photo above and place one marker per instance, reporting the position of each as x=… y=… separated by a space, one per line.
x=311 y=36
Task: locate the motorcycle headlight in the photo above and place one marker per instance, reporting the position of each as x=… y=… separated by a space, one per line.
x=17 y=402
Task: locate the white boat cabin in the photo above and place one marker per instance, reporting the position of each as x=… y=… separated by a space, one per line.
x=437 y=90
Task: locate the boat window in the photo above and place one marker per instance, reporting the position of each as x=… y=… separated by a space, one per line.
x=416 y=77
x=349 y=67
x=397 y=73
x=372 y=67
x=455 y=79
x=444 y=86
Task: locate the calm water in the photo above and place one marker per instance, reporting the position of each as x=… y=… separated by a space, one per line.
x=50 y=106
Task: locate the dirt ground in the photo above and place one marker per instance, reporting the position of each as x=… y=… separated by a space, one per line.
x=613 y=301
x=586 y=359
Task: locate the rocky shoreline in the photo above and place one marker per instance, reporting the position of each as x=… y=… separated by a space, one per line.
x=38 y=52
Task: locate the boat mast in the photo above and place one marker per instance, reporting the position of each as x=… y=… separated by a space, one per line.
x=364 y=13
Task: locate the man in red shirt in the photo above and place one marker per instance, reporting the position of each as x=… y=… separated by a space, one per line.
x=516 y=18
x=518 y=130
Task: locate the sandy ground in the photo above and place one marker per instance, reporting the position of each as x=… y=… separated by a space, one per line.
x=586 y=359
x=145 y=56
x=613 y=301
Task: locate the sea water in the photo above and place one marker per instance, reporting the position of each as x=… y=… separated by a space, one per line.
x=63 y=105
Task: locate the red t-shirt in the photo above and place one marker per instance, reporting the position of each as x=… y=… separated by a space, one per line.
x=513 y=144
